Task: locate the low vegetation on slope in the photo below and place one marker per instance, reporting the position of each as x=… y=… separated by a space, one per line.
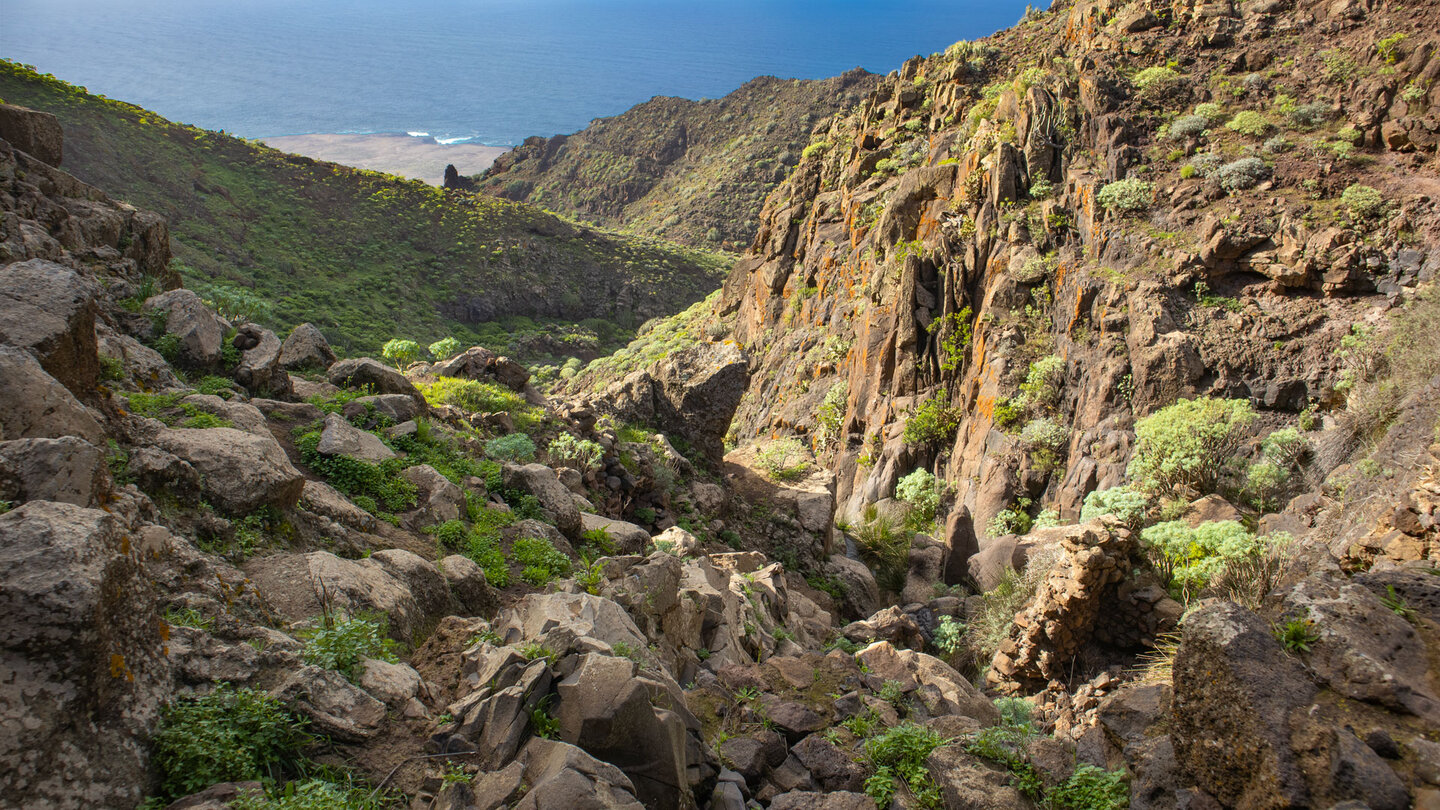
x=696 y=172
x=365 y=256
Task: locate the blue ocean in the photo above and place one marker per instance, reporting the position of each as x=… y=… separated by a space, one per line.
x=483 y=71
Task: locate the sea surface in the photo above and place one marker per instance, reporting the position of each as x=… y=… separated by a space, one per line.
x=479 y=71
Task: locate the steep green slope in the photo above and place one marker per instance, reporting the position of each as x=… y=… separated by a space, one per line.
x=366 y=256
x=696 y=172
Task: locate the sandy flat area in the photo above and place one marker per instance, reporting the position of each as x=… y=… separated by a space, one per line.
x=405 y=155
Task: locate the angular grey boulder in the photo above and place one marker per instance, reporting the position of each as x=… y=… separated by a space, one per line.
x=241 y=472
x=306 y=348
x=340 y=438
x=359 y=372
x=85 y=669
x=34 y=404
x=69 y=470
x=200 y=331
x=48 y=310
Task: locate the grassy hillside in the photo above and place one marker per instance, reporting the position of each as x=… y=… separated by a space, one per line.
x=367 y=256
x=696 y=172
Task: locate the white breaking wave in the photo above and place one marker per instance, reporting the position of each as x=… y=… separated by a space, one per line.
x=448 y=141
x=418 y=134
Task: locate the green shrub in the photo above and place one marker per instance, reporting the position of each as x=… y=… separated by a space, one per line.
x=1125 y=503
x=1249 y=122
x=1190 y=443
x=1187 y=127
x=483 y=548
x=353 y=477
x=783 y=460
x=830 y=416
x=477 y=396
x=1296 y=635
x=446 y=348
x=1339 y=67
x=514 y=447
x=540 y=560
x=949 y=636
x=932 y=422
x=1363 y=201
x=111 y=368
x=1128 y=195
x=886 y=548
x=900 y=753
x=921 y=491
x=1310 y=115
x=1046 y=440
x=451 y=534
x=343 y=645
x=229 y=735
x=1210 y=111
x=1193 y=558
x=1156 y=81
x=582 y=454
x=315 y=794
x=814 y=149
x=1247 y=172
x=1044 y=381
x=1091 y=788
x=596 y=543
x=1389 y=48
x=400 y=352
x=1009 y=521
x=955 y=335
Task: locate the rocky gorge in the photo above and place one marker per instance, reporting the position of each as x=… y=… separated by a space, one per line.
x=1068 y=437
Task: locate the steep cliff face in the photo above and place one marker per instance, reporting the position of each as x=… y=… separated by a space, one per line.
x=696 y=172
x=1018 y=247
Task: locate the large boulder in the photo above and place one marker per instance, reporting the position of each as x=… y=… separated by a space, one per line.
x=306 y=348
x=440 y=500
x=241 y=472
x=861 y=594
x=564 y=776
x=930 y=681
x=34 y=404
x=200 y=331
x=627 y=537
x=70 y=470
x=1365 y=651
x=631 y=721
x=33 y=132
x=1246 y=727
x=260 y=370
x=85 y=669
x=48 y=310
x=410 y=591
x=581 y=614
x=334 y=706
x=472 y=592
x=693 y=392
x=479 y=363
x=340 y=438
x=361 y=372
x=555 y=500
x=397 y=408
